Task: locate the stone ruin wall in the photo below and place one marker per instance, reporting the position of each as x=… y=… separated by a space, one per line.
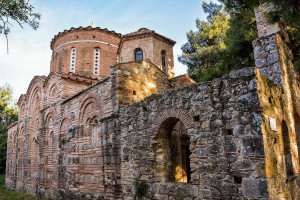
x=275 y=103
x=279 y=96
x=222 y=119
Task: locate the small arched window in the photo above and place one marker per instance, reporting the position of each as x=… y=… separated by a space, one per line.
x=163 y=60
x=73 y=60
x=138 y=55
x=96 y=61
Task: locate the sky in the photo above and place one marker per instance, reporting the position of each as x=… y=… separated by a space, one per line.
x=29 y=50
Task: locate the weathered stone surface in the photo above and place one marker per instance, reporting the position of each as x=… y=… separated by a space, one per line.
x=260 y=62
x=253 y=145
x=255 y=188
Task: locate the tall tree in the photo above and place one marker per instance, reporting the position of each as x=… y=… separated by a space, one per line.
x=20 y=11
x=206 y=46
x=8 y=115
x=240 y=34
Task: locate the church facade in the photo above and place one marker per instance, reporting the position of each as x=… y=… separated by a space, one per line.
x=111 y=118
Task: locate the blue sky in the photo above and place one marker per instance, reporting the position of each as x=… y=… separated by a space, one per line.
x=29 y=50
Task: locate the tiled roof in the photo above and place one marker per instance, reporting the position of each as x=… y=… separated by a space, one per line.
x=79 y=77
x=145 y=31
x=60 y=34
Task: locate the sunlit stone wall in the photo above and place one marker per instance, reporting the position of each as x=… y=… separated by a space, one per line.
x=223 y=123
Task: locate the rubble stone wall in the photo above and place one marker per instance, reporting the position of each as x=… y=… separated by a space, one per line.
x=223 y=122
x=134 y=81
x=279 y=93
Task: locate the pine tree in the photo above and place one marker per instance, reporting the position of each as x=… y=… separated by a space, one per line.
x=205 y=46
x=240 y=34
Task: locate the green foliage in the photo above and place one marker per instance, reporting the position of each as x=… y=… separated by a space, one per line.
x=20 y=11
x=242 y=31
x=141 y=188
x=206 y=46
x=2 y=180
x=8 y=115
x=15 y=195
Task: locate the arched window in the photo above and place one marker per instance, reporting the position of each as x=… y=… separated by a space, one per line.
x=73 y=60
x=172 y=152
x=287 y=150
x=163 y=60
x=138 y=55
x=96 y=61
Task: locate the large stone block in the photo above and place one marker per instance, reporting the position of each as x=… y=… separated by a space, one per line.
x=253 y=145
x=255 y=188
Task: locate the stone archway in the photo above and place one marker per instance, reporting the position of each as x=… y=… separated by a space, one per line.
x=172 y=152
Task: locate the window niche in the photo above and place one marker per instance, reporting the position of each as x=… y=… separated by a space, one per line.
x=91 y=130
x=73 y=60
x=172 y=152
x=96 y=61
x=163 y=60
x=138 y=54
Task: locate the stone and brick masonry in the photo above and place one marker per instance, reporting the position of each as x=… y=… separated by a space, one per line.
x=87 y=135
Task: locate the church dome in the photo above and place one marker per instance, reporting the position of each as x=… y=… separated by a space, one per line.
x=88 y=51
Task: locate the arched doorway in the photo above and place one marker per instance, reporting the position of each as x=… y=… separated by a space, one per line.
x=287 y=150
x=172 y=152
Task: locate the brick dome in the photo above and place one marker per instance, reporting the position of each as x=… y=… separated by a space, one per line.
x=88 y=51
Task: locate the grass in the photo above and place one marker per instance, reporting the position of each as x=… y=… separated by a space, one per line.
x=13 y=195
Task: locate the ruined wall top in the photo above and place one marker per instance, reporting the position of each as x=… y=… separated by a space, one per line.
x=265 y=28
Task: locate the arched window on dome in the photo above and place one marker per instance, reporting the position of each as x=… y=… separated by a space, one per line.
x=138 y=54
x=73 y=60
x=163 y=60
x=96 y=61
